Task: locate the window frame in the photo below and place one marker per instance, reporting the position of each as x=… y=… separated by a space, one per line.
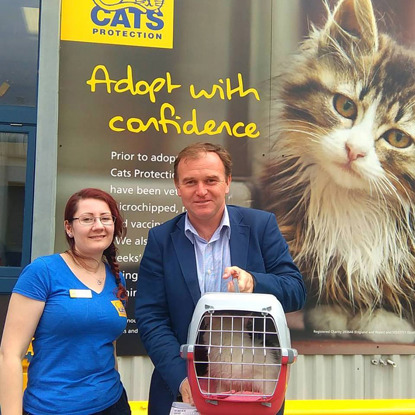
x=15 y=119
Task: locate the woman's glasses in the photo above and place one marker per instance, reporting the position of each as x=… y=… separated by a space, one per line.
x=88 y=220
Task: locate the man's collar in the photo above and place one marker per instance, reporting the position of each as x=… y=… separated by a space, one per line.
x=224 y=225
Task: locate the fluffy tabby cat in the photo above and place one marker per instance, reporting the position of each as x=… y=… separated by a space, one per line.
x=341 y=179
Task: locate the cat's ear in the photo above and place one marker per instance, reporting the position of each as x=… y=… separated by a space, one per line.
x=353 y=22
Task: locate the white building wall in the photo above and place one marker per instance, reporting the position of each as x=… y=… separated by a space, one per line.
x=312 y=377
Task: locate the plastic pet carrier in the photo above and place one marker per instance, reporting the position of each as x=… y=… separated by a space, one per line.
x=238 y=354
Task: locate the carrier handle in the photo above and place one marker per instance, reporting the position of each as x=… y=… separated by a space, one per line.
x=235 y=284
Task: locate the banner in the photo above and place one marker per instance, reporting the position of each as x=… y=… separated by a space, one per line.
x=318 y=127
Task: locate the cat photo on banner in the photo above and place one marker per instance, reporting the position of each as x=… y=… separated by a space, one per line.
x=341 y=175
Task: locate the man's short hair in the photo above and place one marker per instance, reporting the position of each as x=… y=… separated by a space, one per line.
x=193 y=151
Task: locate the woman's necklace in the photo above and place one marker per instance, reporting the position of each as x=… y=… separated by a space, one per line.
x=99 y=280
x=93 y=271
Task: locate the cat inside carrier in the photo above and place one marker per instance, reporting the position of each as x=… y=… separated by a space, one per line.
x=238 y=354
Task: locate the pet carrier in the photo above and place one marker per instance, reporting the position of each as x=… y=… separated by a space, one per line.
x=238 y=353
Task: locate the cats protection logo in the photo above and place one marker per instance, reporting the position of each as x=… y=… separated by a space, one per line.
x=147 y=23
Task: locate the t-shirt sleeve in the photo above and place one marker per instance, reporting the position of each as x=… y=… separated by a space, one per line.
x=34 y=281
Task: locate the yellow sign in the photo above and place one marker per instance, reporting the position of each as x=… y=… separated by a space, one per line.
x=147 y=23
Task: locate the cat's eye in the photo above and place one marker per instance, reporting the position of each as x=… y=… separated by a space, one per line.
x=345 y=106
x=397 y=138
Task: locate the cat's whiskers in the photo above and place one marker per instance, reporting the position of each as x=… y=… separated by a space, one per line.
x=376 y=188
x=304 y=128
x=381 y=185
x=339 y=52
x=310 y=134
x=409 y=106
x=380 y=188
x=396 y=193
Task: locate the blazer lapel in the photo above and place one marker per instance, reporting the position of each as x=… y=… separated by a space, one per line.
x=186 y=257
x=239 y=241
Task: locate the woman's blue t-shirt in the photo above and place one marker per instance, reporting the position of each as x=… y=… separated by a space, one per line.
x=72 y=371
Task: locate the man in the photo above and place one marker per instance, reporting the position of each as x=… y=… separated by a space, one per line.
x=177 y=266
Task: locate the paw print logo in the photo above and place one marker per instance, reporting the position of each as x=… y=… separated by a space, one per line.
x=143 y=5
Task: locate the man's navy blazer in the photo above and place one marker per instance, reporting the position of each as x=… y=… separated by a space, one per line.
x=168 y=288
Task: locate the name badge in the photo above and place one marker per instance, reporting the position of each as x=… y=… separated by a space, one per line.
x=80 y=293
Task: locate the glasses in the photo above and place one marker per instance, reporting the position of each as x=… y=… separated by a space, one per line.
x=88 y=220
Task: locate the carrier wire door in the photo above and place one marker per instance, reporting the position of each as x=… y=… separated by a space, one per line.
x=238 y=354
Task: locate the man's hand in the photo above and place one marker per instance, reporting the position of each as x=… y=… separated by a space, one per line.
x=186 y=392
x=245 y=279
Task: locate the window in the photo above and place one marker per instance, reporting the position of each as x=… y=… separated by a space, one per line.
x=19 y=23
x=17 y=144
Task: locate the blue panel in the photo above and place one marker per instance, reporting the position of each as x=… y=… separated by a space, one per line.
x=10 y=114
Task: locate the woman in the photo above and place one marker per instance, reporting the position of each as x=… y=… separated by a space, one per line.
x=72 y=305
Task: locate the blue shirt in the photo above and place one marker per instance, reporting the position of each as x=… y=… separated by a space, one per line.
x=72 y=371
x=213 y=256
